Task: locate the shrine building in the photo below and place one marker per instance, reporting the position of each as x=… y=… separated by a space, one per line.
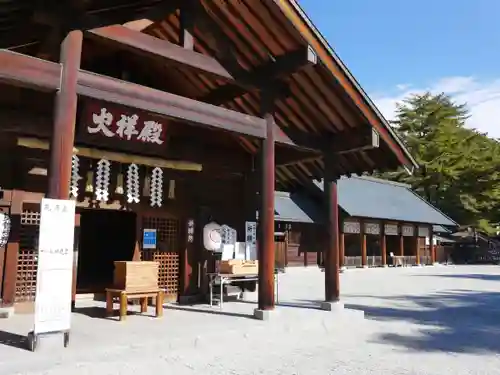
x=378 y=217
x=166 y=115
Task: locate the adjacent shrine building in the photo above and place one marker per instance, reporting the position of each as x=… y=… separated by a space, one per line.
x=166 y=115
x=378 y=217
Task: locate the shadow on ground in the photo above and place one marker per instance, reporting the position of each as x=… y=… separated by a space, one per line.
x=14 y=340
x=457 y=321
x=473 y=276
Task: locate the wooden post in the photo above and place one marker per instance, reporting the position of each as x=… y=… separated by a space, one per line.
x=12 y=249
x=266 y=220
x=63 y=133
x=416 y=241
x=431 y=245
x=364 y=262
x=332 y=268
x=342 y=249
x=383 y=244
x=401 y=241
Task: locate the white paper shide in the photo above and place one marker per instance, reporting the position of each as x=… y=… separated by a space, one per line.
x=55 y=266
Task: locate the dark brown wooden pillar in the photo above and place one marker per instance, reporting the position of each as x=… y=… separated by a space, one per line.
x=332 y=267
x=416 y=241
x=362 y=234
x=342 y=249
x=63 y=133
x=266 y=220
x=383 y=244
x=432 y=249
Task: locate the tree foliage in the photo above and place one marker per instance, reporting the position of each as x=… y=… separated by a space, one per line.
x=459 y=167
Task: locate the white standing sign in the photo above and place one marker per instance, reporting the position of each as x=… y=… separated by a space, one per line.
x=55 y=266
x=251 y=240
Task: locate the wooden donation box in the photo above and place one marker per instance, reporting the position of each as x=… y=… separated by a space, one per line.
x=135 y=280
x=239 y=267
x=136 y=276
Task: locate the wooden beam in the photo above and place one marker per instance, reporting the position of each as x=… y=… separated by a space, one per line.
x=223 y=49
x=288 y=156
x=25 y=71
x=362 y=138
x=174 y=106
x=73 y=15
x=22 y=70
x=124 y=38
x=119 y=157
x=270 y=74
x=241 y=81
x=157 y=12
x=63 y=134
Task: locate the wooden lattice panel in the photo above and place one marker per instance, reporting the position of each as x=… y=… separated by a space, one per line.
x=168 y=270
x=27 y=258
x=30 y=218
x=166 y=254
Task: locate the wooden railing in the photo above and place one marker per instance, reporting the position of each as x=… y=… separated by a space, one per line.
x=352 y=262
x=374 y=261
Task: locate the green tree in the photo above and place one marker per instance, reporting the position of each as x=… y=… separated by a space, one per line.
x=459 y=167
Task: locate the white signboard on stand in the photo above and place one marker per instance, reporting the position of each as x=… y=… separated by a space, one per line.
x=251 y=240
x=55 y=267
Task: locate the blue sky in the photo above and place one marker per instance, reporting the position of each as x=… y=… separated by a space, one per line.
x=396 y=47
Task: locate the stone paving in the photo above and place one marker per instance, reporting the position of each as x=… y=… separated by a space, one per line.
x=429 y=320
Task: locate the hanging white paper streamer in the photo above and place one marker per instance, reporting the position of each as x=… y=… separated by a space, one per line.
x=102 y=180
x=75 y=176
x=133 y=183
x=156 y=187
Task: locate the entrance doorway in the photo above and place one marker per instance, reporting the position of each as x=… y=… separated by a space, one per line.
x=105 y=237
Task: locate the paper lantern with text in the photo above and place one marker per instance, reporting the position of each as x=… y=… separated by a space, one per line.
x=212 y=237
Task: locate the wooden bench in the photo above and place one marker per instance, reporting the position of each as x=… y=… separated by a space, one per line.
x=125 y=295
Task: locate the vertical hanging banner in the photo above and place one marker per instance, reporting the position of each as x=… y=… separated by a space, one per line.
x=55 y=266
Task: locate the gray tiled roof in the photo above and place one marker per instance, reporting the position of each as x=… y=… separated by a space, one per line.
x=364 y=197
x=295 y=208
x=376 y=198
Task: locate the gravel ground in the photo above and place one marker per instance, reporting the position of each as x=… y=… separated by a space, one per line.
x=431 y=320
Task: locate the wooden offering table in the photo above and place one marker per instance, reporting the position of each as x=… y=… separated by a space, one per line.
x=124 y=296
x=135 y=280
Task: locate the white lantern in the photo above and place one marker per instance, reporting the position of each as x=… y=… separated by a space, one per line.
x=4 y=229
x=212 y=237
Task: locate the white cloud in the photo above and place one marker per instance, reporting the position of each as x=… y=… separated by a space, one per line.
x=482 y=99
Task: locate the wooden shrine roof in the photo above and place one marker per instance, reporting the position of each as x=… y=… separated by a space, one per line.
x=323 y=98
